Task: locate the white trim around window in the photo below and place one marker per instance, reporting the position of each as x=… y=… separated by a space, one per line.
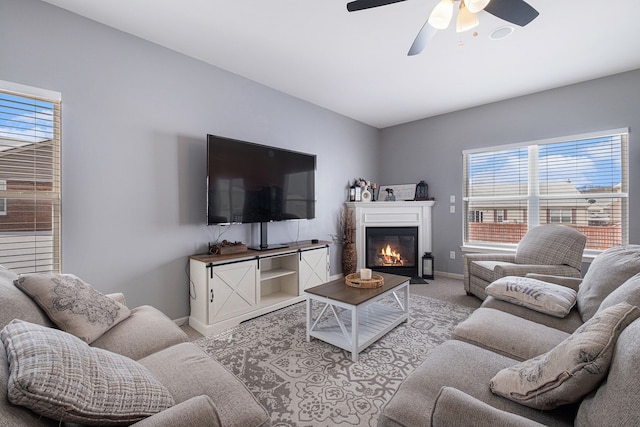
x=580 y=180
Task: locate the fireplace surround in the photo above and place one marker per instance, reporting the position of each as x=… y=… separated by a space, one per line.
x=392 y=250
x=416 y=214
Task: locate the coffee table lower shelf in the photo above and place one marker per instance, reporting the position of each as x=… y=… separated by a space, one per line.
x=372 y=320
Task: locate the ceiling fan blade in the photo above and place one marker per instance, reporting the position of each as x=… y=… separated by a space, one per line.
x=422 y=39
x=517 y=12
x=368 y=4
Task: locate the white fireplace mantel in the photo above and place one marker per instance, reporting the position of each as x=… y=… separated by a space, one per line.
x=392 y=214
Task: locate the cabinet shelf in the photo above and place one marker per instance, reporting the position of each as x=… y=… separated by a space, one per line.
x=274 y=298
x=275 y=273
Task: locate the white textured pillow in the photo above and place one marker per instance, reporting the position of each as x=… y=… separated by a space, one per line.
x=73 y=305
x=572 y=369
x=57 y=375
x=548 y=298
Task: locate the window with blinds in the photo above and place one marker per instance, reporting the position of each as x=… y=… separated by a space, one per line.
x=580 y=182
x=29 y=182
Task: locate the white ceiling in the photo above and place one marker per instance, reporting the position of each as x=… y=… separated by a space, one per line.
x=356 y=63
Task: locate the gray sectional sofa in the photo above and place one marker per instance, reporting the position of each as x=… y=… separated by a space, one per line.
x=144 y=357
x=511 y=364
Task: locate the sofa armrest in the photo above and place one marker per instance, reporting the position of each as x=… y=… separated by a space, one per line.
x=490 y=257
x=569 y=282
x=469 y=258
x=199 y=411
x=119 y=297
x=454 y=408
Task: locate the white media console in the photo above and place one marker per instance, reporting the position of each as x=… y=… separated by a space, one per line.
x=228 y=289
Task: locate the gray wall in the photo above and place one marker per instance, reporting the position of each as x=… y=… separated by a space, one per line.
x=431 y=149
x=135 y=116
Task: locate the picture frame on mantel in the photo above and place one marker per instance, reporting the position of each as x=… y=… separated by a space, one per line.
x=402 y=192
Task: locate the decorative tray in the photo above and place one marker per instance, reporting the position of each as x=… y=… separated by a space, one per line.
x=226 y=248
x=355 y=281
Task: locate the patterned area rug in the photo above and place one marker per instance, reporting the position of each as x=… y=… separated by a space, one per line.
x=316 y=384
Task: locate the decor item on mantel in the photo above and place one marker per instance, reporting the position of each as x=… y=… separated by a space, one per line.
x=346 y=237
x=422 y=191
x=401 y=192
x=359 y=191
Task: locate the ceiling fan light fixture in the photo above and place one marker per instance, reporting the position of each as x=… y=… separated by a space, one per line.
x=466 y=20
x=476 y=6
x=441 y=15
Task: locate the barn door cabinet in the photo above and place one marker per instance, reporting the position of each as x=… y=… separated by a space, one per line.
x=229 y=289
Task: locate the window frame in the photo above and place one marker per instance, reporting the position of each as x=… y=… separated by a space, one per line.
x=533 y=197
x=37 y=251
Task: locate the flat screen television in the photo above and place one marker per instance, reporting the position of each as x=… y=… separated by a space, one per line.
x=253 y=183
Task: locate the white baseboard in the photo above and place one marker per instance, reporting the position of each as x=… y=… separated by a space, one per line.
x=181 y=321
x=451 y=275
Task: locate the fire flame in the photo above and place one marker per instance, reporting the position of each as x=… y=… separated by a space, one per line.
x=390 y=256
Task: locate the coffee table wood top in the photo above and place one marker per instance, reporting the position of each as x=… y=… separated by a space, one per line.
x=338 y=290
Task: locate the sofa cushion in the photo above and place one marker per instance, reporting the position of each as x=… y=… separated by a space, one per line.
x=507 y=334
x=16 y=304
x=615 y=402
x=195 y=412
x=57 y=375
x=537 y=295
x=468 y=369
x=146 y=331
x=608 y=270
x=566 y=324
x=572 y=369
x=188 y=371
x=629 y=292
x=73 y=305
x=454 y=408
x=484 y=269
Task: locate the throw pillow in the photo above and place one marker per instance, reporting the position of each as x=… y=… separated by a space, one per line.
x=570 y=370
x=628 y=292
x=607 y=271
x=59 y=376
x=73 y=305
x=548 y=298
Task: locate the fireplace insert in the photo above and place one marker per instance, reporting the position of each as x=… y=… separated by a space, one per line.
x=392 y=250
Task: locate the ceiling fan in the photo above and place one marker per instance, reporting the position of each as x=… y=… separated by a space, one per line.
x=517 y=12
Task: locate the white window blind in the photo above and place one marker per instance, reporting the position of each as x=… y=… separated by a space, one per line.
x=580 y=181
x=30 y=173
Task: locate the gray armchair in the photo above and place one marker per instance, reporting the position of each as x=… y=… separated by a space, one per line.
x=547 y=249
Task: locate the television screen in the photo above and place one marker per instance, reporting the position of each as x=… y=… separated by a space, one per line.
x=249 y=183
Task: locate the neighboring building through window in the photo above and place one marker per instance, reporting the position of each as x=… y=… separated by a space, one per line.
x=29 y=179
x=3 y=202
x=475 y=216
x=579 y=181
x=560 y=216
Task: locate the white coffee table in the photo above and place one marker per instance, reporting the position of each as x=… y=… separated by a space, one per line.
x=362 y=320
